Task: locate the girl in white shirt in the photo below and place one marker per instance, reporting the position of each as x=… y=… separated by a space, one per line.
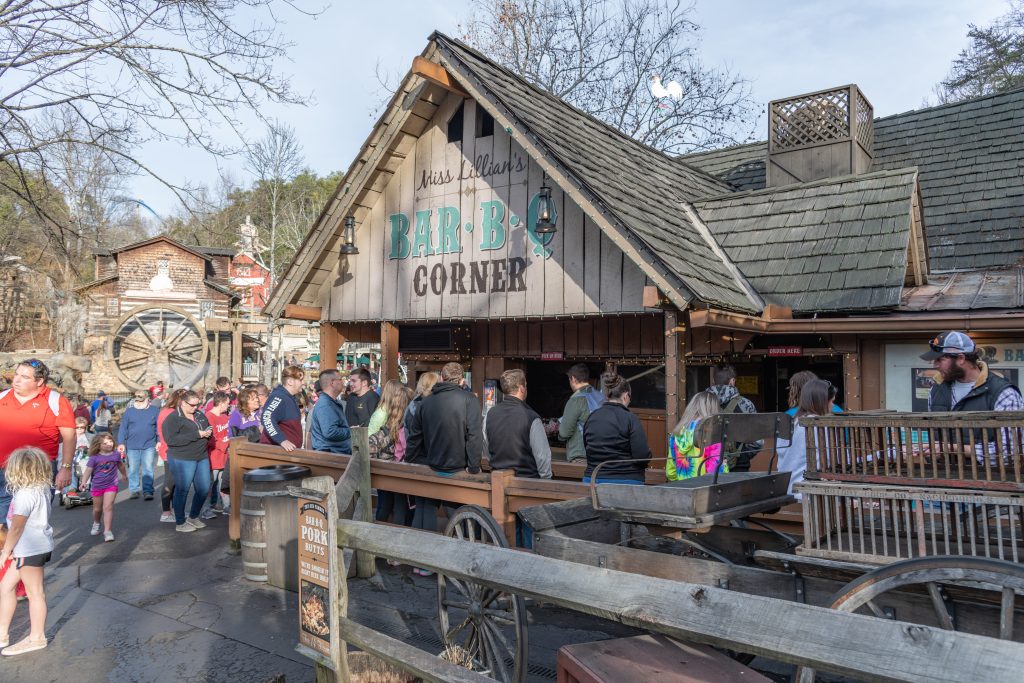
x=27 y=547
x=814 y=400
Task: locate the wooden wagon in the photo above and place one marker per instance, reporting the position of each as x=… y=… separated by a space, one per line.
x=903 y=519
x=716 y=575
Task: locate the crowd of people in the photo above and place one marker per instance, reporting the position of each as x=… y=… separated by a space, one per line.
x=49 y=443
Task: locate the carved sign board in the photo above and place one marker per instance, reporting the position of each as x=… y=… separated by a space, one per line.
x=315 y=594
x=452 y=236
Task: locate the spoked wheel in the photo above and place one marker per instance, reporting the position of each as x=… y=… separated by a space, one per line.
x=486 y=624
x=995 y=581
x=158 y=343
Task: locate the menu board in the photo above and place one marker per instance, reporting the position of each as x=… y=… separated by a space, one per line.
x=314 y=557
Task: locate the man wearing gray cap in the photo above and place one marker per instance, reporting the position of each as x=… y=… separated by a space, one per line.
x=967 y=383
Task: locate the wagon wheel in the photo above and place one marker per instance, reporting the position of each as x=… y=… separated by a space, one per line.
x=487 y=623
x=158 y=343
x=1006 y=579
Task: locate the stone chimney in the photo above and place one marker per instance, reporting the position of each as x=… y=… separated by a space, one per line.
x=819 y=135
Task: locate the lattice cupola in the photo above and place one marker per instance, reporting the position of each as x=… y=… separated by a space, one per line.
x=819 y=135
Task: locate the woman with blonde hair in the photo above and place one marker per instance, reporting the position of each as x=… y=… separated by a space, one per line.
x=386 y=428
x=685 y=459
x=424 y=387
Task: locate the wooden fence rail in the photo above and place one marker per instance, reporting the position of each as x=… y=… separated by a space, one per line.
x=500 y=492
x=864 y=647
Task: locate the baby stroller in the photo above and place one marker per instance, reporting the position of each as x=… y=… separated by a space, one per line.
x=70 y=496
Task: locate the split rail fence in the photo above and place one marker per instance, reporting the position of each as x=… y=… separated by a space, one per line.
x=870 y=648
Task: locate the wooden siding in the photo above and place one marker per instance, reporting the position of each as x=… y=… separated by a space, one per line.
x=614 y=337
x=578 y=272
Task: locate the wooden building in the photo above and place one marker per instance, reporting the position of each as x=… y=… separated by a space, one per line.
x=660 y=265
x=159 y=309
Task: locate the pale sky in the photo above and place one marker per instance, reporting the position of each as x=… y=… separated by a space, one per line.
x=895 y=50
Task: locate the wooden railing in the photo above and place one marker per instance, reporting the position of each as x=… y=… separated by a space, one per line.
x=864 y=647
x=500 y=492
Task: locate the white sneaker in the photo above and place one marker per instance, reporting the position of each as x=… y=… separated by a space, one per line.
x=195 y=523
x=95 y=531
x=108 y=536
x=185 y=528
x=208 y=514
x=167 y=517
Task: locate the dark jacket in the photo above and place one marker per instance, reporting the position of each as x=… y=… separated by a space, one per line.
x=515 y=439
x=281 y=418
x=182 y=436
x=329 y=430
x=407 y=420
x=982 y=397
x=358 y=409
x=614 y=433
x=445 y=431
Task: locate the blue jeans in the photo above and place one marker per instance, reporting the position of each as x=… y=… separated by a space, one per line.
x=144 y=459
x=189 y=474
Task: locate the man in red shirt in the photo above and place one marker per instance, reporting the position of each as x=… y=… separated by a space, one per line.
x=31 y=414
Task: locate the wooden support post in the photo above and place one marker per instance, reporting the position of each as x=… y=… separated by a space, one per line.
x=852 y=381
x=366 y=565
x=235 y=517
x=236 y=350
x=338 y=671
x=500 y=479
x=675 y=369
x=331 y=340
x=388 y=352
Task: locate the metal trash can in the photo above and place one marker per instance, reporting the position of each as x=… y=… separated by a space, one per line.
x=269 y=525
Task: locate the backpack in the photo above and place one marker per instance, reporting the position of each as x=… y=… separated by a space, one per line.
x=53 y=399
x=594 y=401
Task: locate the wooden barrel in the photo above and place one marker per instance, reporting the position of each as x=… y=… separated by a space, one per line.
x=258 y=486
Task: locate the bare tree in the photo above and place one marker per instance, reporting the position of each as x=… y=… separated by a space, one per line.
x=274 y=161
x=601 y=57
x=992 y=62
x=129 y=71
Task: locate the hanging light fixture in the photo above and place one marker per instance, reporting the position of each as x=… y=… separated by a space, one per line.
x=348 y=248
x=546 y=219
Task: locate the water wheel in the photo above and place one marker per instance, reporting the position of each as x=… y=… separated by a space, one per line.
x=158 y=343
x=486 y=624
x=943 y=580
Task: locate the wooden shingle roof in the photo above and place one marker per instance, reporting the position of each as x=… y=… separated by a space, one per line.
x=970 y=156
x=642 y=189
x=839 y=244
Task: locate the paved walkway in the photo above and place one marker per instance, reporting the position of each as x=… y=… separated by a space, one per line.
x=157 y=605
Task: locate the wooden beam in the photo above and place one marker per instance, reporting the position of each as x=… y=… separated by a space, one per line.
x=331 y=340
x=236 y=358
x=437 y=74
x=296 y=312
x=388 y=352
x=675 y=369
x=418 y=662
x=869 y=648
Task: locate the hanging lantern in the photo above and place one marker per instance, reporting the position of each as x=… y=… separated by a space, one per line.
x=546 y=220
x=348 y=248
